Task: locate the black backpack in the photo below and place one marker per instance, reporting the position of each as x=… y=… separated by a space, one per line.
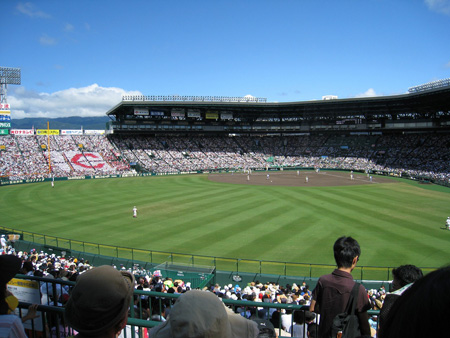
x=346 y=324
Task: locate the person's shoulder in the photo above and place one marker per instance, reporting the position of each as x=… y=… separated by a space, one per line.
x=327 y=276
x=12 y=318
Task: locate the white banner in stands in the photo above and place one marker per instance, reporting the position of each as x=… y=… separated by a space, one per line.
x=71 y=132
x=94 y=132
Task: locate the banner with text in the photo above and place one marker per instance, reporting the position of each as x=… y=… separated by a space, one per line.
x=140 y=112
x=94 y=132
x=212 y=116
x=47 y=131
x=72 y=132
x=22 y=131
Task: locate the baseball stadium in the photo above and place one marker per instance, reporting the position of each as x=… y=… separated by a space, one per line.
x=237 y=187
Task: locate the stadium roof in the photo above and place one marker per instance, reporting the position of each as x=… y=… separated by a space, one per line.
x=428 y=105
x=420 y=102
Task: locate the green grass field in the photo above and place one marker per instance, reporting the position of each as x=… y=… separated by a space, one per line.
x=395 y=224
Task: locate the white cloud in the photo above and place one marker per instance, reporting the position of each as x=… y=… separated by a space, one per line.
x=29 y=9
x=92 y=100
x=69 y=27
x=439 y=6
x=47 y=40
x=368 y=93
x=447 y=65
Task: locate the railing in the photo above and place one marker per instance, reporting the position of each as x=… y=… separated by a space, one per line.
x=54 y=324
x=149 y=258
x=184 y=98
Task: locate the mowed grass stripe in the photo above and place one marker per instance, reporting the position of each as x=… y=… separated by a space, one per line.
x=193 y=215
x=231 y=217
x=363 y=218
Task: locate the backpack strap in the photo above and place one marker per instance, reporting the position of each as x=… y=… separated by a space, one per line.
x=353 y=300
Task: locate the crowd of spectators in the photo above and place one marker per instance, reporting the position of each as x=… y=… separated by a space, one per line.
x=287 y=322
x=416 y=155
x=399 y=154
x=39 y=156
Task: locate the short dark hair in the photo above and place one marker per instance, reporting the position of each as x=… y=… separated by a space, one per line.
x=406 y=274
x=345 y=250
x=432 y=292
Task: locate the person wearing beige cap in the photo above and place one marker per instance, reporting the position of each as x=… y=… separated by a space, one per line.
x=99 y=303
x=202 y=314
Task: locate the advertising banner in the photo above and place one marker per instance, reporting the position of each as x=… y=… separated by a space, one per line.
x=157 y=113
x=226 y=116
x=5 y=124
x=193 y=113
x=71 y=132
x=5 y=106
x=22 y=131
x=177 y=112
x=5 y=112
x=4 y=131
x=140 y=112
x=212 y=116
x=47 y=131
x=94 y=132
x=4 y=117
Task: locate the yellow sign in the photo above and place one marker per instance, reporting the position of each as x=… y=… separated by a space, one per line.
x=47 y=131
x=212 y=116
x=30 y=284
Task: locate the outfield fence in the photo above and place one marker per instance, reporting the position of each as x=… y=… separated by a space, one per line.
x=96 y=253
x=422 y=178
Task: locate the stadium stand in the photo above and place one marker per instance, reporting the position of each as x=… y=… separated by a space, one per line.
x=285 y=306
x=26 y=157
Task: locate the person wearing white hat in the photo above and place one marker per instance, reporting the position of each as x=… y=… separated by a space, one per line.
x=202 y=314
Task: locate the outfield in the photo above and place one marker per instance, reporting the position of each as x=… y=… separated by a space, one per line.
x=395 y=223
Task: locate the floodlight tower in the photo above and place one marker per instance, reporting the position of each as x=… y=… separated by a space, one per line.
x=8 y=76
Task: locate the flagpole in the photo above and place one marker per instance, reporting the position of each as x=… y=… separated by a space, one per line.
x=48 y=149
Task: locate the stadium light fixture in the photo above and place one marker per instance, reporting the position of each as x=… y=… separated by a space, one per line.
x=430 y=85
x=8 y=76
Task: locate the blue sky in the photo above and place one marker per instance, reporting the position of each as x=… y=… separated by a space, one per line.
x=79 y=57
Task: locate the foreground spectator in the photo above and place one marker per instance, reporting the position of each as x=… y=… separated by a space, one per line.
x=422 y=310
x=332 y=292
x=404 y=277
x=202 y=314
x=99 y=303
